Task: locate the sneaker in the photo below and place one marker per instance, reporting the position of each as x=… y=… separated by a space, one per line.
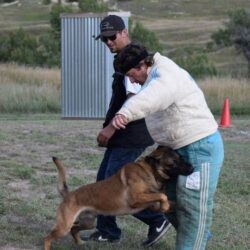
x=99 y=237
x=155 y=233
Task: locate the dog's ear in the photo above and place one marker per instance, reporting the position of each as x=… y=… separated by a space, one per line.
x=157 y=153
x=152 y=161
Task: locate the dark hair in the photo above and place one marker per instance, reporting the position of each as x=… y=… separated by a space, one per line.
x=131 y=56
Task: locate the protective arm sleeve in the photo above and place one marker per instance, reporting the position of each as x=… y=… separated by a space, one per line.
x=157 y=94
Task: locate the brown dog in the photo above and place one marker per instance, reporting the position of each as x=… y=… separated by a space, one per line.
x=135 y=187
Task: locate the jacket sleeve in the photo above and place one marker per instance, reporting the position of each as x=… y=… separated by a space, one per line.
x=157 y=94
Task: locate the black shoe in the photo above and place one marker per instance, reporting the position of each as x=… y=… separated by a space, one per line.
x=155 y=233
x=99 y=237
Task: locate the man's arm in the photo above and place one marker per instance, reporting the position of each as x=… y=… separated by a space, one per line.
x=107 y=132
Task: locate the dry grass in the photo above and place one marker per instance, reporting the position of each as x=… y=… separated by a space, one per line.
x=25 y=98
x=27 y=89
x=237 y=90
x=29 y=75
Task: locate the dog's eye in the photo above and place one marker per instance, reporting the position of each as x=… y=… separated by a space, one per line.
x=169 y=161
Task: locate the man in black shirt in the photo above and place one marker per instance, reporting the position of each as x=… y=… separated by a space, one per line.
x=126 y=145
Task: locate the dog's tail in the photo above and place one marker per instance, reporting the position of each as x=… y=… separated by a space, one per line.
x=61 y=184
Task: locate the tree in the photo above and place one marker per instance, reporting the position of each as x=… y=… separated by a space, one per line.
x=148 y=38
x=18 y=46
x=93 y=6
x=237 y=33
x=197 y=64
x=55 y=20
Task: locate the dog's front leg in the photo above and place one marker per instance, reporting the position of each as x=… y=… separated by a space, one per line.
x=142 y=200
x=75 y=234
x=85 y=221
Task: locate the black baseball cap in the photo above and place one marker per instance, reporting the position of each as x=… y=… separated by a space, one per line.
x=110 y=25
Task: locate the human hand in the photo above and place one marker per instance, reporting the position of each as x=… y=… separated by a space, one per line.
x=119 y=121
x=105 y=134
x=155 y=206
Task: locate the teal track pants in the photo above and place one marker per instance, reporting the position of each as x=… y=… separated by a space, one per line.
x=195 y=193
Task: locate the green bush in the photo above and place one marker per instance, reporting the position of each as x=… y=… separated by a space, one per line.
x=139 y=33
x=55 y=20
x=197 y=65
x=237 y=33
x=222 y=37
x=2 y=204
x=6 y=1
x=92 y=6
x=18 y=46
x=21 y=47
x=44 y=50
x=46 y=2
x=48 y=52
x=4 y=48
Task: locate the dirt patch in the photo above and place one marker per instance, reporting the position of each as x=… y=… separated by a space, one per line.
x=7 y=247
x=237 y=132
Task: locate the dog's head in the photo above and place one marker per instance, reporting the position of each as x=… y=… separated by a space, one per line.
x=168 y=163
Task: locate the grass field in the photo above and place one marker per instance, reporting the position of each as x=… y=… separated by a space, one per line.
x=29 y=197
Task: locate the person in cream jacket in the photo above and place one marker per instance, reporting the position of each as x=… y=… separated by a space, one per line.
x=176 y=116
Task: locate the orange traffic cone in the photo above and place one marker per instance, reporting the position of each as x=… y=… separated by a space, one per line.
x=225 y=121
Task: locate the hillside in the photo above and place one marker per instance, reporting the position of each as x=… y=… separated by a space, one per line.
x=30 y=14
x=179 y=24
x=189 y=24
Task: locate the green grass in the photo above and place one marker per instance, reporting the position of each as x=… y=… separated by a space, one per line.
x=29 y=196
x=22 y=172
x=29 y=13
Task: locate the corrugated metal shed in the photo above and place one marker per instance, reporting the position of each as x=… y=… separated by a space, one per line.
x=86 y=66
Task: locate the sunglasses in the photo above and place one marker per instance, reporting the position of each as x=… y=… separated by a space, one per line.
x=106 y=38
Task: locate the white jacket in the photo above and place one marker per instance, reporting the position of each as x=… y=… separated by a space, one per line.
x=174 y=106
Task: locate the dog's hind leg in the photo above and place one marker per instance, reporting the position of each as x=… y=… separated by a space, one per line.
x=53 y=235
x=64 y=223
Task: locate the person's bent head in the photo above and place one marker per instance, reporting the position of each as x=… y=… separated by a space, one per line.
x=133 y=61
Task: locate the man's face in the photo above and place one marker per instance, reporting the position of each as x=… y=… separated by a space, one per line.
x=116 y=42
x=138 y=74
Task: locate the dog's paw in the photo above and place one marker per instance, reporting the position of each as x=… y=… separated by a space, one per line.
x=80 y=242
